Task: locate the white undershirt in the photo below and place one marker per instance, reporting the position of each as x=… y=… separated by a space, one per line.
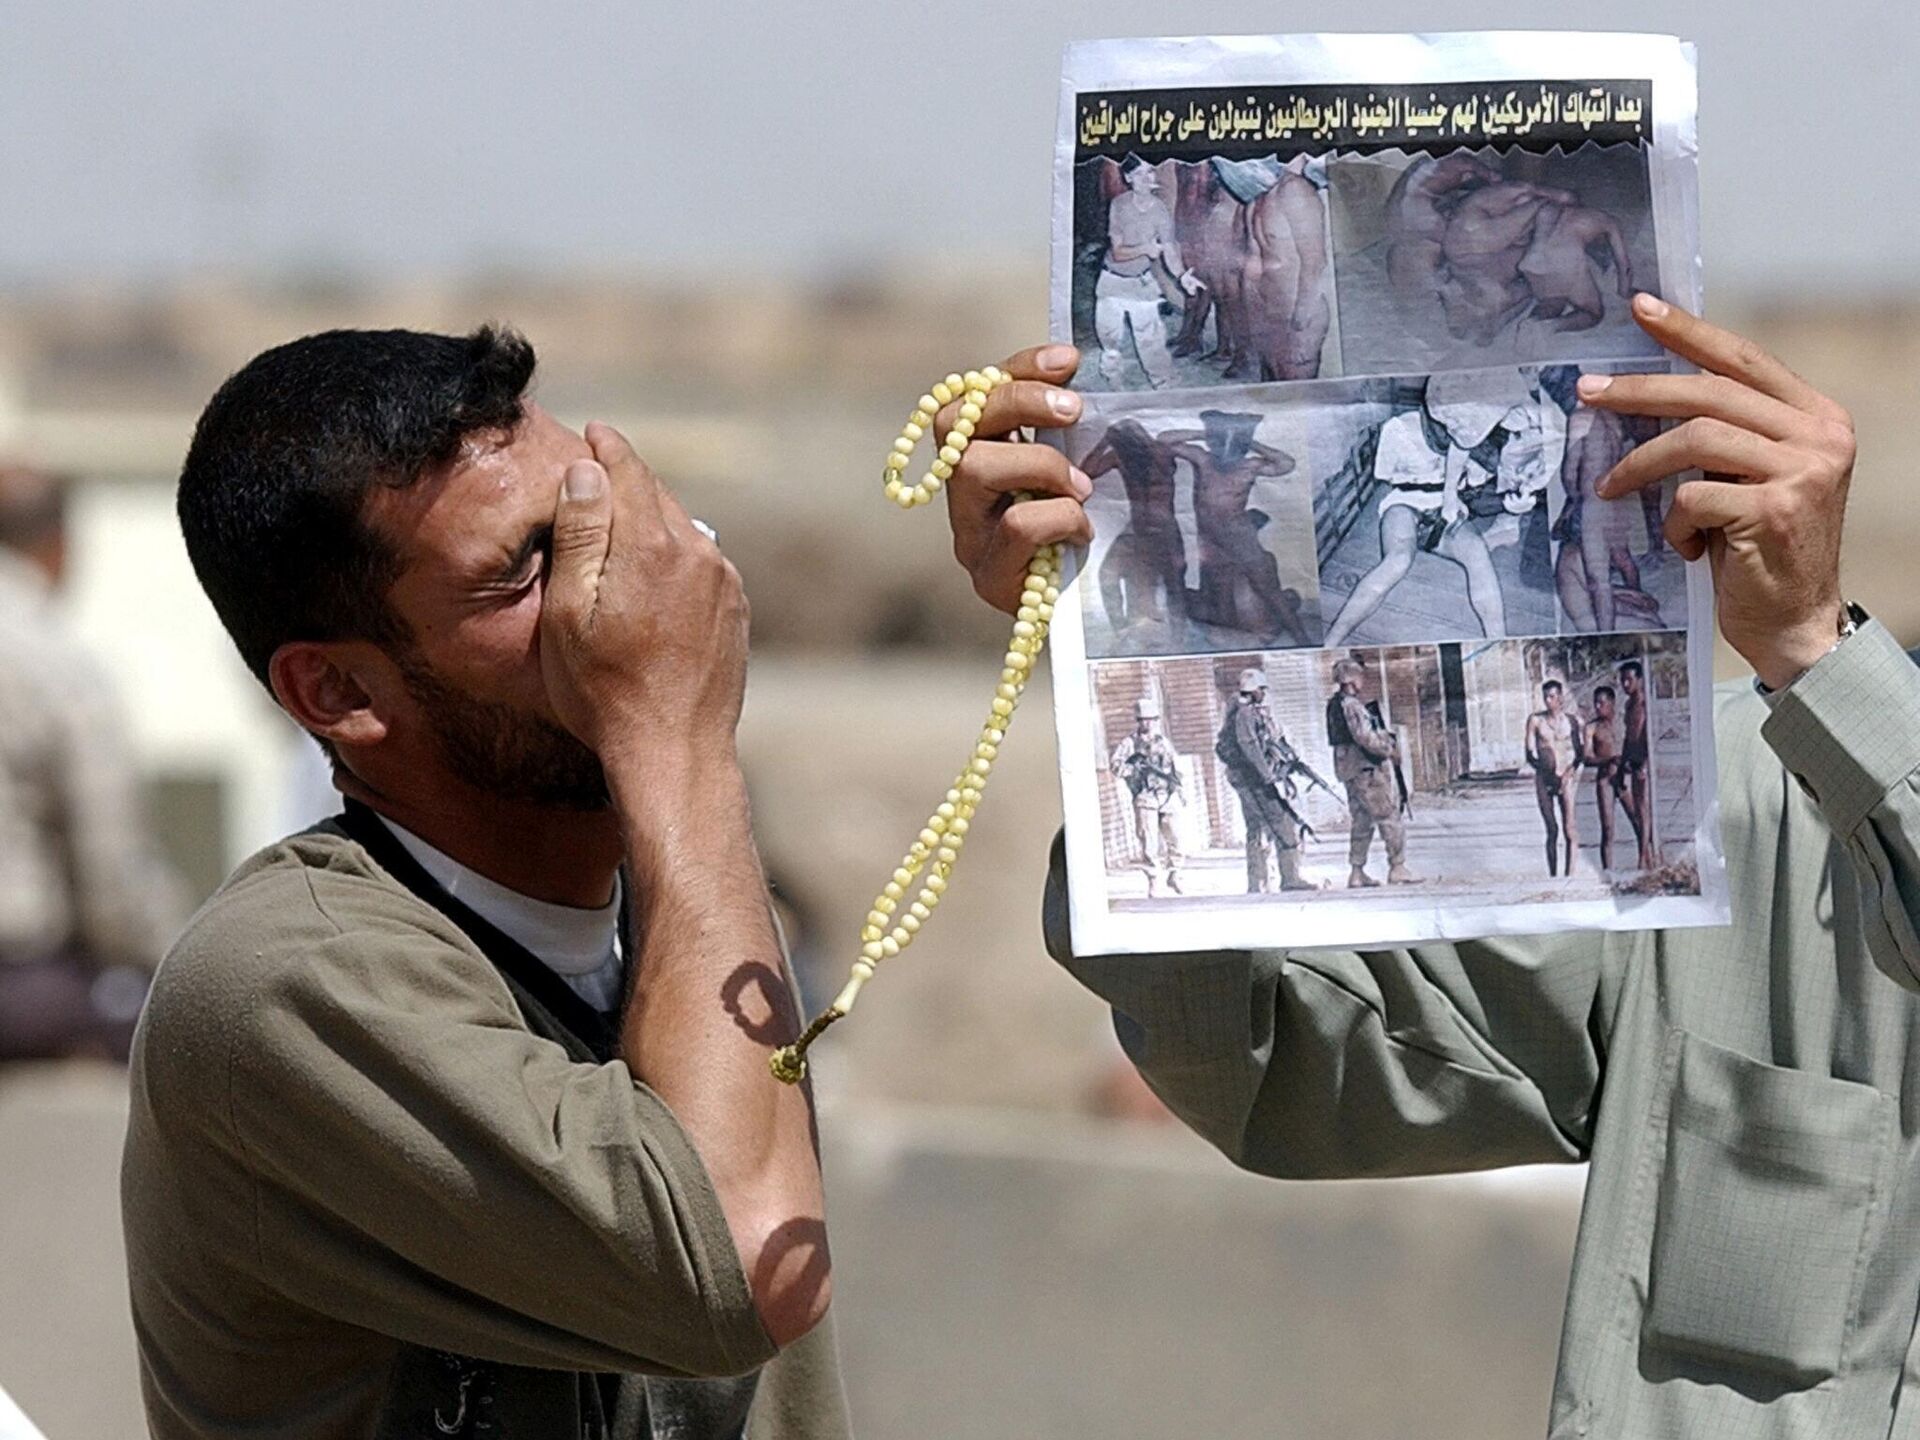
x=581 y=946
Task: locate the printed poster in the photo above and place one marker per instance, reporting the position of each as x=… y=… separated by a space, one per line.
x=1357 y=656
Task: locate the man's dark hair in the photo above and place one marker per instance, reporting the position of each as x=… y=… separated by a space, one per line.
x=287 y=451
x=1606 y=690
x=1550 y=687
x=1632 y=667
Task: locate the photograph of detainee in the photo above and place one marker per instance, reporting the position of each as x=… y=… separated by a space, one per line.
x=1204 y=532
x=1201 y=273
x=1506 y=772
x=1556 y=748
x=1434 y=524
x=1488 y=257
x=1611 y=763
x=1612 y=567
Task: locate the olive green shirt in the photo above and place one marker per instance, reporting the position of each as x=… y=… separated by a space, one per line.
x=1748 y=1261
x=355 y=1172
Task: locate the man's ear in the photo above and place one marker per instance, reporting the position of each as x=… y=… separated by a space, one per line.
x=329 y=689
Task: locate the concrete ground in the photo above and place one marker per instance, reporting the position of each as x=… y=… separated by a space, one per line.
x=996 y=1275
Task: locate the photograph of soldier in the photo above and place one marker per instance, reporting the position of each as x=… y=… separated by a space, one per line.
x=1233 y=254
x=1254 y=794
x=1612 y=567
x=1366 y=759
x=1260 y=764
x=1556 y=749
x=1402 y=775
x=1146 y=764
x=1490 y=256
x=1204 y=533
x=1436 y=528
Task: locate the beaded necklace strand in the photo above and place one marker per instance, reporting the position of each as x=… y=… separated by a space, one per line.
x=889 y=928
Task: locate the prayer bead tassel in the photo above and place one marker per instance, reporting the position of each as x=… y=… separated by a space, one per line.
x=907 y=901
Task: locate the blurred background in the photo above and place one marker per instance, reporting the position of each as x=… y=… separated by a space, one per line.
x=748 y=235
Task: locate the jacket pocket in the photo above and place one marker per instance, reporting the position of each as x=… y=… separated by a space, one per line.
x=1772 y=1181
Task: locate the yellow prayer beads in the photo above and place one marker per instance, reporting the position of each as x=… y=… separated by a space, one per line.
x=894 y=919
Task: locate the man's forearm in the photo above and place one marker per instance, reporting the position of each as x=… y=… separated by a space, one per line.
x=709 y=999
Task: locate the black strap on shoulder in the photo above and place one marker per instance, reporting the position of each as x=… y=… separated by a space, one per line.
x=528 y=977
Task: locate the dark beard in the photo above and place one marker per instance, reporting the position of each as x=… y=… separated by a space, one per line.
x=505 y=752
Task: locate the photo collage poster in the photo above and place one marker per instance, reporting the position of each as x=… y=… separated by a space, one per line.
x=1357 y=656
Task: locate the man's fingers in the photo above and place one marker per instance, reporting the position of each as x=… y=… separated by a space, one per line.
x=637 y=484
x=613 y=450
x=582 y=535
x=1053 y=363
x=990 y=474
x=1681 y=397
x=1725 y=353
x=1700 y=506
x=1700 y=444
x=994 y=468
x=1024 y=402
x=1021 y=530
x=632 y=475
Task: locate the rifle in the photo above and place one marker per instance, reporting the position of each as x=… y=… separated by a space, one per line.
x=1399 y=775
x=1299 y=820
x=1137 y=762
x=1291 y=763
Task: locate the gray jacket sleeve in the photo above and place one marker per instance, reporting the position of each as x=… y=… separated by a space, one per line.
x=1324 y=1063
x=1849 y=731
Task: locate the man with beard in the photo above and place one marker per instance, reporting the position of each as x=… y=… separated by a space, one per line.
x=451 y=1116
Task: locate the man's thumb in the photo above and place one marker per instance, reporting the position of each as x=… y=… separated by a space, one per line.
x=582 y=528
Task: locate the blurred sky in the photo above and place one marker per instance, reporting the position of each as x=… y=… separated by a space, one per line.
x=368 y=137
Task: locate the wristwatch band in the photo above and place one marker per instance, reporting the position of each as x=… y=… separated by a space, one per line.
x=1852 y=617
